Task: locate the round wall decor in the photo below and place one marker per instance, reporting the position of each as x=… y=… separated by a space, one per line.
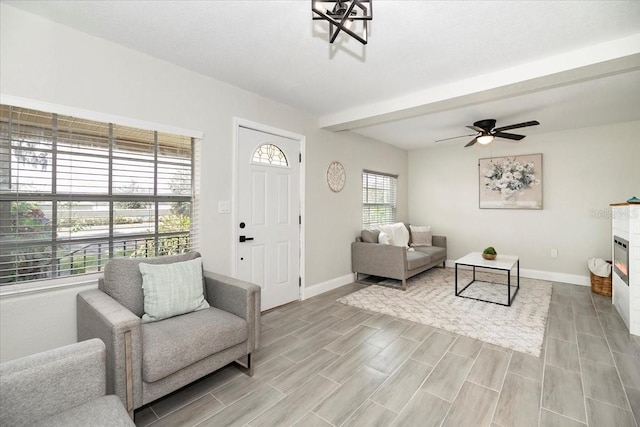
x=336 y=176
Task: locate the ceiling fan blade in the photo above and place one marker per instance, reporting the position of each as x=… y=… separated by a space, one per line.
x=513 y=136
x=476 y=128
x=519 y=125
x=473 y=141
x=455 y=137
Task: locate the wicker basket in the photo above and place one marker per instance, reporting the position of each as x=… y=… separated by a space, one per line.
x=601 y=285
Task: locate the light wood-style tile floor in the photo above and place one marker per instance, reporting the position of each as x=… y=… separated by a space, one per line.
x=321 y=363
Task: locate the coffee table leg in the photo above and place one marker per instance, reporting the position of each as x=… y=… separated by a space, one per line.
x=456 y=279
x=509 y=288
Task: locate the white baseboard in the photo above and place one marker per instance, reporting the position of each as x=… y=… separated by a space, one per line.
x=323 y=287
x=550 y=276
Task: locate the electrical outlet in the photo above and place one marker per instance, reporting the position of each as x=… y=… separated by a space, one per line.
x=554 y=253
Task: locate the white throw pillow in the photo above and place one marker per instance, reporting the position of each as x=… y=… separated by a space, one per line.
x=398 y=233
x=401 y=236
x=384 y=239
x=172 y=289
x=421 y=235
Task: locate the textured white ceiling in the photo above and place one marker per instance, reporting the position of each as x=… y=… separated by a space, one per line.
x=274 y=49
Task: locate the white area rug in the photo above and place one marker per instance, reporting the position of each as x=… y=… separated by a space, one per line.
x=430 y=300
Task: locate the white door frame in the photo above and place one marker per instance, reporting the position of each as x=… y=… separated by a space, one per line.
x=237 y=124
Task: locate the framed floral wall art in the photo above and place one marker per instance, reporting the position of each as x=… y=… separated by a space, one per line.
x=513 y=182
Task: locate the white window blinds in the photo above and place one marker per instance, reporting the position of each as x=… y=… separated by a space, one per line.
x=75 y=193
x=378 y=199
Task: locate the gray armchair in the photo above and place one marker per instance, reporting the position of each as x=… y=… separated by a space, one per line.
x=61 y=387
x=146 y=361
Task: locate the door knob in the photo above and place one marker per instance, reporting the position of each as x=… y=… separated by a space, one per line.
x=245 y=238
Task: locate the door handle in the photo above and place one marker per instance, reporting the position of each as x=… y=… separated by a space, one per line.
x=245 y=238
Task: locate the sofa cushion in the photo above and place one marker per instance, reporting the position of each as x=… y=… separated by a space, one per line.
x=172 y=289
x=123 y=281
x=178 y=342
x=417 y=259
x=434 y=252
x=369 y=236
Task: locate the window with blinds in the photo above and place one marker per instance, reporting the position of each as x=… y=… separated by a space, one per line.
x=75 y=193
x=378 y=199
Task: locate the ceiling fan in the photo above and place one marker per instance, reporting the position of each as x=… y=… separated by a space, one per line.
x=487 y=131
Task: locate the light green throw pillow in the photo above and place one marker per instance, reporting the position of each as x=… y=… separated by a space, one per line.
x=172 y=289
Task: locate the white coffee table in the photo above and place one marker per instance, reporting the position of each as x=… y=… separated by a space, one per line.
x=502 y=262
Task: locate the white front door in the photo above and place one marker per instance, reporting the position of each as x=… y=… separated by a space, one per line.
x=268 y=245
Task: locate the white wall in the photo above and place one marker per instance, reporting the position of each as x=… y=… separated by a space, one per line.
x=335 y=219
x=584 y=170
x=48 y=62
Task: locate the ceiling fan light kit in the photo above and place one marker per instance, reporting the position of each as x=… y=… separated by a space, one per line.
x=485 y=139
x=342 y=14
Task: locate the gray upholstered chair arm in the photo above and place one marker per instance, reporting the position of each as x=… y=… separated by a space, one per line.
x=238 y=297
x=44 y=384
x=440 y=241
x=379 y=260
x=100 y=316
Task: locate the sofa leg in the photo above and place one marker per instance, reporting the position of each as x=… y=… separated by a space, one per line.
x=248 y=368
x=404 y=284
x=249 y=365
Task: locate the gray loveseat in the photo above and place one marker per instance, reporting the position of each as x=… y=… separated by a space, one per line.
x=60 y=387
x=146 y=361
x=395 y=262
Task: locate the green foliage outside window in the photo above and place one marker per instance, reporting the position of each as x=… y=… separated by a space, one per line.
x=27 y=222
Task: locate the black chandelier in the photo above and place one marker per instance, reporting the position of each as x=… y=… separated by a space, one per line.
x=342 y=14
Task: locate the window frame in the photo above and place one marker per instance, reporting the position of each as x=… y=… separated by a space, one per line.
x=10 y=196
x=388 y=185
